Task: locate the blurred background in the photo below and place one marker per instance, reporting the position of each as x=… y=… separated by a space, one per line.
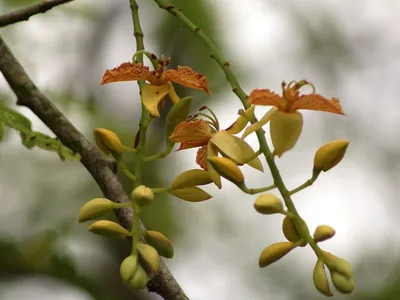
x=348 y=49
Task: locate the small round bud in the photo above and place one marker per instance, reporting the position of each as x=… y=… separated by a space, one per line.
x=268 y=204
x=142 y=195
x=323 y=232
x=108 y=141
x=330 y=154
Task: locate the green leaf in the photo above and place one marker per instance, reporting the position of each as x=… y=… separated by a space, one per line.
x=30 y=139
x=178 y=113
x=2 y=130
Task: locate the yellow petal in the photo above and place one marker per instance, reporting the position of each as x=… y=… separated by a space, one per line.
x=258 y=125
x=192 y=177
x=215 y=177
x=187 y=77
x=247 y=152
x=285 y=130
x=152 y=96
x=126 y=72
x=241 y=121
x=228 y=146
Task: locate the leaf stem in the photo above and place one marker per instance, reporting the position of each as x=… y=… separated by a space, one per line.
x=257 y=190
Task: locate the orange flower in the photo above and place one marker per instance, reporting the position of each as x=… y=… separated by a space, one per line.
x=193 y=134
x=159 y=81
x=291 y=100
x=286 y=123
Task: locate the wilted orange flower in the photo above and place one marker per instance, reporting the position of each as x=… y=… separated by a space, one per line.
x=193 y=134
x=286 y=122
x=159 y=81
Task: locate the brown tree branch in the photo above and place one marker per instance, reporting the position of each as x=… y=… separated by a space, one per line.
x=25 y=13
x=101 y=168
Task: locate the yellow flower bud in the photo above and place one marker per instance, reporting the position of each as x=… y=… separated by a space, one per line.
x=108 y=228
x=339 y=265
x=191 y=178
x=289 y=230
x=142 y=195
x=108 y=141
x=285 y=130
x=320 y=279
x=191 y=194
x=139 y=279
x=275 y=252
x=323 y=232
x=150 y=256
x=160 y=242
x=330 y=154
x=268 y=204
x=128 y=267
x=94 y=209
x=227 y=168
x=343 y=284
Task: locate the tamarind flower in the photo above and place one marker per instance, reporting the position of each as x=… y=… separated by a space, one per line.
x=199 y=133
x=286 y=122
x=193 y=134
x=160 y=81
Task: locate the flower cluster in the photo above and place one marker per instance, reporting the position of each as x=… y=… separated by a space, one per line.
x=221 y=153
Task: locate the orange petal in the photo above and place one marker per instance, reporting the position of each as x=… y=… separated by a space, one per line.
x=201 y=157
x=319 y=103
x=126 y=72
x=265 y=97
x=191 y=134
x=187 y=77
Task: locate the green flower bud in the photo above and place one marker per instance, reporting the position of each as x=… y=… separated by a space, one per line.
x=343 y=284
x=94 y=209
x=321 y=280
x=150 y=256
x=160 y=242
x=128 y=267
x=108 y=228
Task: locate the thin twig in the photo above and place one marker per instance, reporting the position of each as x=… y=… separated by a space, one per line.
x=101 y=168
x=25 y=13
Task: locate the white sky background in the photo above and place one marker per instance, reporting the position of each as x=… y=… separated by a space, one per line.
x=351 y=197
